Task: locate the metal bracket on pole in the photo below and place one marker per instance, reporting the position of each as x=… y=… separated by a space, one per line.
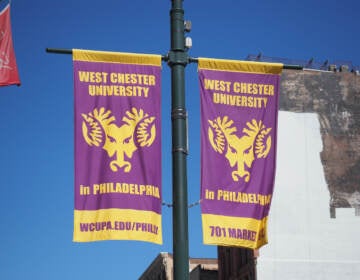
x=180 y=113
x=178 y=58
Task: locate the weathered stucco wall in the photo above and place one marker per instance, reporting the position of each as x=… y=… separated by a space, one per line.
x=335 y=97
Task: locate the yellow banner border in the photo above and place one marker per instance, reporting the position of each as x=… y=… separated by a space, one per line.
x=114 y=217
x=216 y=231
x=116 y=57
x=240 y=66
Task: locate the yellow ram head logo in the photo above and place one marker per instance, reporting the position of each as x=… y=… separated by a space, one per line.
x=100 y=130
x=239 y=151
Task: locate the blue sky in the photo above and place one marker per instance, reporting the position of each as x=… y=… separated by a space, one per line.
x=36 y=143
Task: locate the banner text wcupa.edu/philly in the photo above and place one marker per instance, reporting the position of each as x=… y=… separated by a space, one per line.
x=239 y=106
x=117 y=146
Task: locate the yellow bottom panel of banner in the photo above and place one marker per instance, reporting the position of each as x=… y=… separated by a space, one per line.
x=117 y=224
x=234 y=231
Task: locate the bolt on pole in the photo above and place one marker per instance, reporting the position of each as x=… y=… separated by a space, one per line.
x=178 y=59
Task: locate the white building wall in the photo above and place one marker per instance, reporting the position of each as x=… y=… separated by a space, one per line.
x=304 y=242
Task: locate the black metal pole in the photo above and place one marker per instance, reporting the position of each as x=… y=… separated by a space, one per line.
x=178 y=59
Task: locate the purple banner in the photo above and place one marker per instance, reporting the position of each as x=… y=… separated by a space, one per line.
x=117 y=144
x=239 y=107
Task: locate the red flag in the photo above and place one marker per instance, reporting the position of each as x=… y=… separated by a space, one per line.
x=8 y=69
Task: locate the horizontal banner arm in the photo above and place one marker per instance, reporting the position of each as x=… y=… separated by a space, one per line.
x=165 y=58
